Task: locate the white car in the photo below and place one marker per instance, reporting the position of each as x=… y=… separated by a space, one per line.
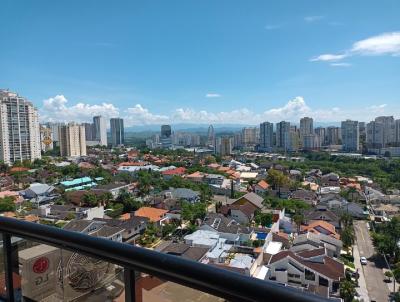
x=363 y=261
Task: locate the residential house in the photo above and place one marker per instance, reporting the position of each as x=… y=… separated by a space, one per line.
x=196 y=177
x=320 y=227
x=261 y=187
x=309 y=197
x=311 y=241
x=227 y=228
x=214 y=179
x=330 y=180
x=157 y=216
x=313 y=271
x=322 y=214
x=96 y=229
x=243 y=209
x=182 y=194
x=40 y=193
x=114 y=189
x=133 y=227
x=186 y=251
x=168 y=174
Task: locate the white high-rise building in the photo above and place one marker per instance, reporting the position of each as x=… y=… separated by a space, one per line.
x=306 y=126
x=321 y=133
x=72 y=140
x=397 y=131
x=19 y=129
x=350 y=136
x=100 y=130
x=381 y=133
x=266 y=136
x=224 y=145
x=211 y=136
x=333 y=135
x=250 y=136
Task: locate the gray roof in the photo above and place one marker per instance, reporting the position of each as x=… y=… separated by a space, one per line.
x=185 y=251
x=106 y=231
x=222 y=224
x=38 y=188
x=253 y=198
x=77 y=225
x=125 y=224
x=183 y=193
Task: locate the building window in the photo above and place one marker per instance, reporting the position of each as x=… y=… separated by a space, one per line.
x=309 y=275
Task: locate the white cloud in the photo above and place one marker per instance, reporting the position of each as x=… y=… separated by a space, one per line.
x=313 y=18
x=294 y=109
x=138 y=115
x=383 y=44
x=377 y=109
x=329 y=57
x=342 y=64
x=213 y=95
x=57 y=109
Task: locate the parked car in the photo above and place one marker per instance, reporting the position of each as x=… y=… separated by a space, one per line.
x=363 y=261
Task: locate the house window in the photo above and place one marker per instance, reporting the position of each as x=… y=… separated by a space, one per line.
x=309 y=275
x=323 y=281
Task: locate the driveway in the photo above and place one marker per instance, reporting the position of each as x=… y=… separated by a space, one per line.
x=378 y=290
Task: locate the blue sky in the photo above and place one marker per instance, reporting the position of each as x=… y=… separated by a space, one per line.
x=206 y=61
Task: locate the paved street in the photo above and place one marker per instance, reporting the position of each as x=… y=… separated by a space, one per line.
x=378 y=290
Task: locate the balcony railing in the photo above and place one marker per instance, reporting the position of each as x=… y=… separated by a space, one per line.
x=134 y=261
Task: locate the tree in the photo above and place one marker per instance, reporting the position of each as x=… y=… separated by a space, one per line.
x=4 y=168
x=277 y=179
x=70 y=216
x=347 y=236
x=389 y=275
x=90 y=199
x=194 y=211
x=347 y=290
x=346 y=219
x=264 y=219
x=298 y=218
x=7 y=204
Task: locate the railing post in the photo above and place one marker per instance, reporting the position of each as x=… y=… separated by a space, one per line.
x=8 y=268
x=130 y=284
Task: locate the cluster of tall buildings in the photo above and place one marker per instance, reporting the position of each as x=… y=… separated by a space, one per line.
x=289 y=137
x=168 y=139
x=23 y=138
x=72 y=138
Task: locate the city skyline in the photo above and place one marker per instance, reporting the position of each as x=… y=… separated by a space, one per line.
x=222 y=67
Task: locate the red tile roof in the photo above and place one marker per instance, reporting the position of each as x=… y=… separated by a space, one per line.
x=177 y=171
x=153 y=214
x=317 y=224
x=263 y=184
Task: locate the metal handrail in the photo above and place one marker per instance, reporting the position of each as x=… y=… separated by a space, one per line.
x=225 y=284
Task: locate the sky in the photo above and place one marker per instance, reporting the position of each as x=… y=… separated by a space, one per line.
x=208 y=61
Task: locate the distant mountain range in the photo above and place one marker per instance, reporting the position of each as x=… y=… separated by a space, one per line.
x=203 y=128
